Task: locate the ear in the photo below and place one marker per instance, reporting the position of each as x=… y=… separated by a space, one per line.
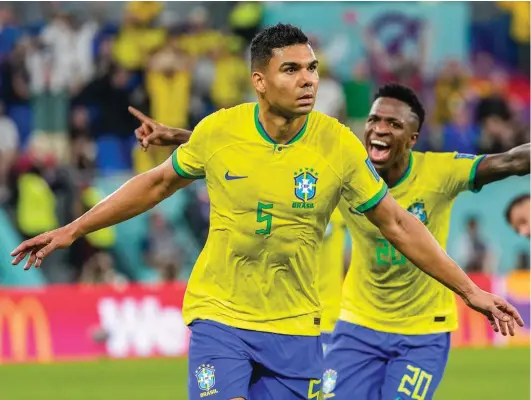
x=259 y=83
x=413 y=139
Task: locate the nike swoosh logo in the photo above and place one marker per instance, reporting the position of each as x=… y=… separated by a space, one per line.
x=233 y=177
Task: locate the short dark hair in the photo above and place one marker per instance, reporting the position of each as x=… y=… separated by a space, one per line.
x=514 y=202
x=405 y=95
x=274 y=37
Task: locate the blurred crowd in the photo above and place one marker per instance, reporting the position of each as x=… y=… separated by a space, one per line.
x=65 y=86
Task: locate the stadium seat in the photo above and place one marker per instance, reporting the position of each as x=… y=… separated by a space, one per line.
x=113 y=155
x=22 y=117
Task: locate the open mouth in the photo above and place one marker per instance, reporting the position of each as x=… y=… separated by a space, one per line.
x=379 y=151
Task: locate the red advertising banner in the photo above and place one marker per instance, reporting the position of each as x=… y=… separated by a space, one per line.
x=76 y=322
x=474 y=329
x=81 y=322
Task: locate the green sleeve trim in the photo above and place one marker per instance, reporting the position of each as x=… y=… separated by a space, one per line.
x=373 y=202
x=472 y=178
x=180 y=171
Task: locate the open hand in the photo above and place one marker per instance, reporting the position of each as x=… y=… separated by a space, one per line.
x=41 y=246
x=497 y=310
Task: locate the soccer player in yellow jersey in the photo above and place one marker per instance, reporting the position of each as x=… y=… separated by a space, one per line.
x=331 y=273
x=275 y=172
x=393 y=336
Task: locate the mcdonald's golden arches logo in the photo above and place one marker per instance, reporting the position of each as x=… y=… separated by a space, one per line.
x=15 y=318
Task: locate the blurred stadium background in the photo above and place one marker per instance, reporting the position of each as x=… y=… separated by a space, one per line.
x=68 y=71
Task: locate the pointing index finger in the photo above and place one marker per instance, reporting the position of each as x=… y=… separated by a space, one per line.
x=141 y=116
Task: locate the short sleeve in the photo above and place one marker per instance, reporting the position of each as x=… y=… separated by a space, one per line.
x=189 y=159
x=459 y=172
x=362 y=187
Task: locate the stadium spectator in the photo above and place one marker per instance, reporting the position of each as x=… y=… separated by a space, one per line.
x=331 y=99
x=517 y=215
x=8 y=151
x=160 y=248
x=474 y=253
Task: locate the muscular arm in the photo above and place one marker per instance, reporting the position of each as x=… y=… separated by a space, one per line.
x=409 y=236
x=178 y=136
x=136 y=196
x=495 y=167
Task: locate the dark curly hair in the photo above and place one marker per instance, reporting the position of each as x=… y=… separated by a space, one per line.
x=274 y=37
x=405 y=95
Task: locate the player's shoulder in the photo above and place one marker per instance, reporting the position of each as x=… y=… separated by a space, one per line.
x=328 y=131
x=232 y=114
x=320 y=121
x=432 y=158
x=430 y=163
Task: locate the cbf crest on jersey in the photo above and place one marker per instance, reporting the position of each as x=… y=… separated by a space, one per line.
x=305 y=187
x=206 y=379
x=329 y=381
x=418 y=209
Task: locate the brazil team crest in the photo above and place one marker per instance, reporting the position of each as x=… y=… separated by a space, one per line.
x=206 y=377
x=305 y=184
x=418 y=209
x=329 y=381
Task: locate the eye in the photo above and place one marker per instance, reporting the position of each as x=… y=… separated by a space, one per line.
x=395 y=125
x=290 y=70
x=312 y=68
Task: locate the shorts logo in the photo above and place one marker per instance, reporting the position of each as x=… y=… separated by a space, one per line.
x=418 y=209
x=305 y=187
x=329 y=381
x=206 y=379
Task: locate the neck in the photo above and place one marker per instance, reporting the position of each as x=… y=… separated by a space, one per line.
x=394 y=173
x=279 y=127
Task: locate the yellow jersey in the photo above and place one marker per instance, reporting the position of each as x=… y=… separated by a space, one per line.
x=270 y=205
x=332 y=270
x=382 y=289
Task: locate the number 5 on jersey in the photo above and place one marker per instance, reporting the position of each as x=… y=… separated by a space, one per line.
x=262 y=216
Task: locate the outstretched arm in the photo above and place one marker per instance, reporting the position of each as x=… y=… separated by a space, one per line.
x=409 y=236
x=136 y=196
x=495 y=167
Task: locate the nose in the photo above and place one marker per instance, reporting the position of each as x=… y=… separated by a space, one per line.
x=380 y=128
x=307 y=79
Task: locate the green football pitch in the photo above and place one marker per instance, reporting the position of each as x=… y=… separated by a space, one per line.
x=482 y=374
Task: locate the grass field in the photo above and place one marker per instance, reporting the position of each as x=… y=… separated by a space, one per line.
x=482 y=374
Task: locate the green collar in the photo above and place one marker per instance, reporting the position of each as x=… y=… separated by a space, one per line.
x=268 y=138
x=408 y=170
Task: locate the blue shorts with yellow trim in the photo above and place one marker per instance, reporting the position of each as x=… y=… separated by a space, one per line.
x=226 y=362
x=361 y=363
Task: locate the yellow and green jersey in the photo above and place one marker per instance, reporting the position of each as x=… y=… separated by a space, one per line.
x=332 y=270
x=382 y=289
x=270 y=205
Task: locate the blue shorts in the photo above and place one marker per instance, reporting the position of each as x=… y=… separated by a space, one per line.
x=226 y=362
x=326 y=338
x=362 y=363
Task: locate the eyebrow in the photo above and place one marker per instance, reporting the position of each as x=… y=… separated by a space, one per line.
x=297 y=65
x=389 y=119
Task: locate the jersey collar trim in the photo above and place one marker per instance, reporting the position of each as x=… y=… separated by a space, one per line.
x=408 y=170
x=267 y=138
